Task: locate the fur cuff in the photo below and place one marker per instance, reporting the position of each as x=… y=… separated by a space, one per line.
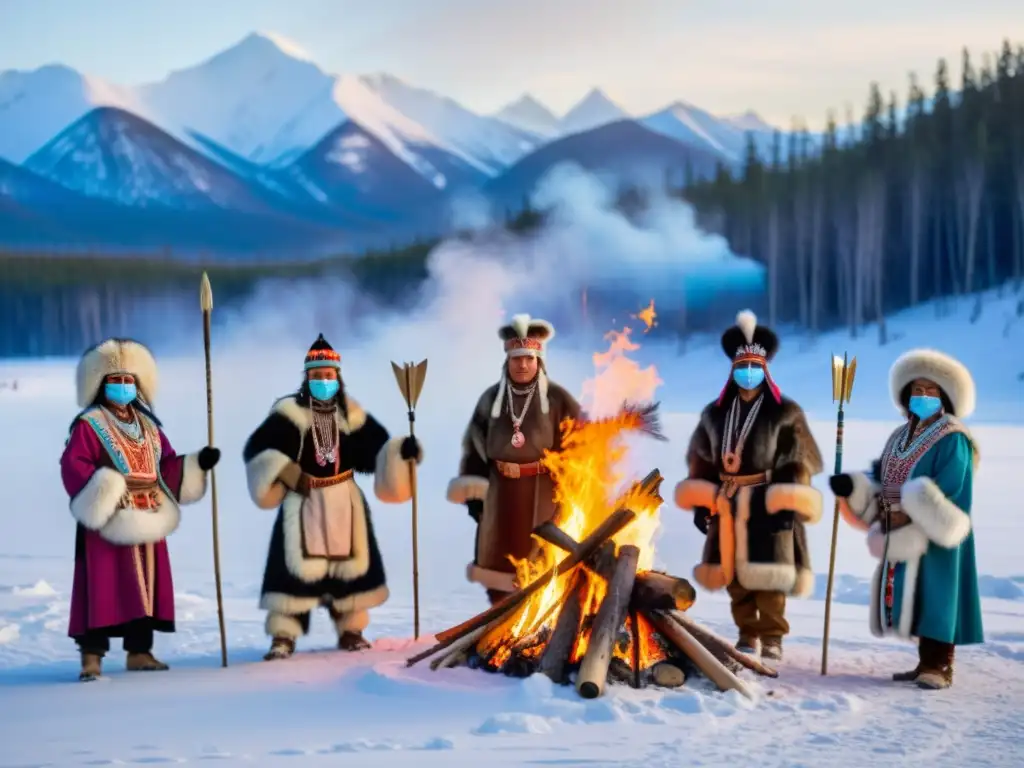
x=97 y=502
x=392 y=478
x=710 y=576
x=941 y=520
x=130 y=526
x=261 y=475
x=193 y=480
x=863 y=502
x=905 y=544
x=692 y=493
x=802 y=500
x=499 y=580
x=805 y=583
x=467 y=488
x=283 y=625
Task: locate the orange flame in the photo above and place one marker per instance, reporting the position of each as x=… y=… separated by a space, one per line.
x=647 y=316
x=586 y=473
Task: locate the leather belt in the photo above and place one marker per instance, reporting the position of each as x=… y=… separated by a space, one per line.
x=516 y=471
x=732 y=483
x=327 y=482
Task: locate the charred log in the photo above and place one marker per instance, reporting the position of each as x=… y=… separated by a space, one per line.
x=594 y=669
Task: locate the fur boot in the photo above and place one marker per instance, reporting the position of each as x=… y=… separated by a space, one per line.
x=771 y=648
x=280 y=648
x=910 y=676
x=352 y=641
x=936 y=665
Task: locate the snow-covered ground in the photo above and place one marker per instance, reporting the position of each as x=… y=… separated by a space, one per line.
x=323 y=704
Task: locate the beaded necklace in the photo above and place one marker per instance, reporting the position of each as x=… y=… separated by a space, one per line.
x=736 y=437
x=325 y=434
x=518 y=439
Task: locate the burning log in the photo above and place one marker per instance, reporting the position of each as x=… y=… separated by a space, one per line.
x=594 y=670
x=612 y=525
x=711 y=667
x=555 y=660
x=656 y=591
x=711 y=641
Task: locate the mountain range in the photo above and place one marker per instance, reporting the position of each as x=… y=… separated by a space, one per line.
x=258 y=152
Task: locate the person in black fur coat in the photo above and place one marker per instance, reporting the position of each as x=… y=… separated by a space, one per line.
x=323 y=551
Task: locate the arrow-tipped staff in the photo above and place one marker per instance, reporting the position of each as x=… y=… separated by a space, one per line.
x=206 y=304
x=410 y=380
x=843 y=371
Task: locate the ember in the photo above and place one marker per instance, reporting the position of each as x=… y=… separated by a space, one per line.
x=591 y=609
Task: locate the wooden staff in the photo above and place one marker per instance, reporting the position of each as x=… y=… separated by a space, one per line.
x=206 y=304
x=843 y=371
x=410 y=381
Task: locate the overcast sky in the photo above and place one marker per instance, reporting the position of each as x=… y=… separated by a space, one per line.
x=781 y=58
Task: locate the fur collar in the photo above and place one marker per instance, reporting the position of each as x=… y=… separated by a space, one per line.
x=301 y=416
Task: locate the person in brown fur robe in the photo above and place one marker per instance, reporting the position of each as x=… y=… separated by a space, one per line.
x=751 y=460
x=501 y=480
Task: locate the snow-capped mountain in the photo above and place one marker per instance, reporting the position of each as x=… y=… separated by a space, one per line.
x=353 y=169
x=593 y=110
x=114 y=155
x=35 y=106
x=484 y=142
x=527 y=114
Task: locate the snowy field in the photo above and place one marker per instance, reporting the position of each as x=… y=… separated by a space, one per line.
x=322 y=704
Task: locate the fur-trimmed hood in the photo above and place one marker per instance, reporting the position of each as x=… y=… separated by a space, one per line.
x=116 y=356
x=951 y=376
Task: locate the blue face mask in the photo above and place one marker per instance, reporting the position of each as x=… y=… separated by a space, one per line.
x=323 y=389
x=924 y=406
x=120 y=393
x=749 y=377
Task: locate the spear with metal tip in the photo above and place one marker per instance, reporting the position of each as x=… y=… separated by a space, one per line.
x=843 y=371
x=206 y=304
x=410 y=380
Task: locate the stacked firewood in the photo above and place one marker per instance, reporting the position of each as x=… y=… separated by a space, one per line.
x=612 y=634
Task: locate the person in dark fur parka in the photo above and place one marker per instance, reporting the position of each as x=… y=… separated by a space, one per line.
x=750 y=461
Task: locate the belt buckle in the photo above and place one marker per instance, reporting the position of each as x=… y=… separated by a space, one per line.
x=729 y=488
x=512 y=471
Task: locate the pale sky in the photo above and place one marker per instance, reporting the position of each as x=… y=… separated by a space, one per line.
x=781 y=58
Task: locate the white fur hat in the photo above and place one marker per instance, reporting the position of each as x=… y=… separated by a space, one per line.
x=949 y=374
x=115 y=356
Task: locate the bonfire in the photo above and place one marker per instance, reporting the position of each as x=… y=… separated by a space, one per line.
x=590 y=608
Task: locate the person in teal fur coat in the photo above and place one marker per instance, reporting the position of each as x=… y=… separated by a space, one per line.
x=916 y=508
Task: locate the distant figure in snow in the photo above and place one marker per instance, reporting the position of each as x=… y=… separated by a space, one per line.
x=916 y=507
x=750 y=461
x=501 y=480
x=323 y=551
x=126 y=484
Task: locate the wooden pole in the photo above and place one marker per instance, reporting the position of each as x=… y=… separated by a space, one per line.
x=712 y=642
x=843 y=372
x=206 y=304
x=410 y=380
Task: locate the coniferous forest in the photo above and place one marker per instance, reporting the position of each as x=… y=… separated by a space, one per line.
x=916 y=199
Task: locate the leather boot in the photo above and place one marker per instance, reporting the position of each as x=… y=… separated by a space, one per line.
x=911 y=676
x=92 y=666
x=747 y=645
x=280 y=648
x=771 y=648
x=352 y=641
x=144 y=662
x=937 y=667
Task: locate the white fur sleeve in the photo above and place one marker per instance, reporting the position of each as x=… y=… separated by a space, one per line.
x=392 y=477
x=97 y=502
x=261 y=475
x=941 y=520
x=467 y=488
x=860 y=508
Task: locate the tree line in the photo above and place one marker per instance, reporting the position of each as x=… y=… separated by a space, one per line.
x=916 y=201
